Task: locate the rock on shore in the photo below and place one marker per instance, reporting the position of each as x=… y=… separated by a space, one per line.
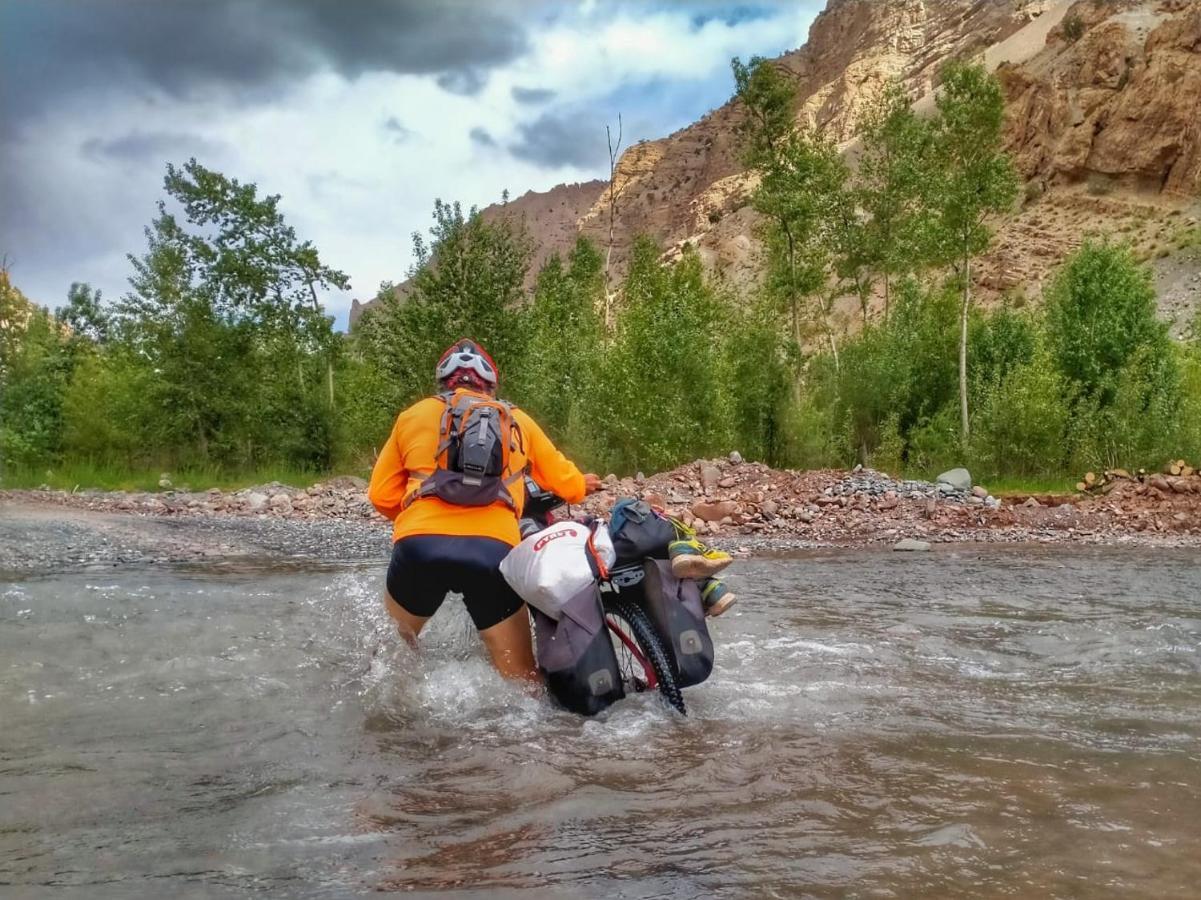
x=730 y=497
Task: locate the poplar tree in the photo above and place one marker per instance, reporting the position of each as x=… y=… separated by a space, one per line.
x=969 y=179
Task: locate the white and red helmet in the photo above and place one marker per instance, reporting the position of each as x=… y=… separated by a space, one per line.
x=466 y=364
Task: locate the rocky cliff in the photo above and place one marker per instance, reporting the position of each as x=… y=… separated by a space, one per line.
x=1104 y=122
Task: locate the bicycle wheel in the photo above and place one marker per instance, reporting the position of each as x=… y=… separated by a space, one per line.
x=641 y=656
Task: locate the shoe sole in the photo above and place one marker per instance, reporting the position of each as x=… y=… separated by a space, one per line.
x=697 y=566
x=721 y=606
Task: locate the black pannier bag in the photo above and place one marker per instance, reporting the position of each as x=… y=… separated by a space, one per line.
x=675 y=608
x=638 y=532
x=576 y=657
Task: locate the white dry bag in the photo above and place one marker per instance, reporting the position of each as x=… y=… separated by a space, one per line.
x=550 y=567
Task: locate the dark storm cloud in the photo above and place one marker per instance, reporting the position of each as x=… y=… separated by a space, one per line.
x=532 y=95
x=557 y=138
x=148 y=146
x=54 y=48
x=467 y=81
x=481 y=138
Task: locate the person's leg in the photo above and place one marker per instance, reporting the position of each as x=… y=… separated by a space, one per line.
x=510 y=647
x=407 y=624
x=412 y=594
x=498 y=613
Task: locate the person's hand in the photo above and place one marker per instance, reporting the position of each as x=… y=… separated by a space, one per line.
x=592 y=483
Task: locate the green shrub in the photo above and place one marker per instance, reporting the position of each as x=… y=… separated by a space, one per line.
x=810 y=433
x=1073 y=27
x=1100 y=313
x=934 y=443
x=889 y=455
x=1021 y=421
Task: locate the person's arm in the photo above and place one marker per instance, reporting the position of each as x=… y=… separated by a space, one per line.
x=389 y=477
x=549 y=467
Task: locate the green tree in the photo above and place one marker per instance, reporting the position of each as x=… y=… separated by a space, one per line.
x=36 y=372
x=15 y=311
x=767 y=94
x=755 y=380
x=662 y=400
x=85 y=315
x=801 y=177
x=558 y=373
x=969 y=178
x=224 y=311
x=889 y=184
x=467 y=281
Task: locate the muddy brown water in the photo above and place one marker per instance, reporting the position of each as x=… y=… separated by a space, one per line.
x=1008 y=722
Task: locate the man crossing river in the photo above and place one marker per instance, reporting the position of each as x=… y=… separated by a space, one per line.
x=451 y=479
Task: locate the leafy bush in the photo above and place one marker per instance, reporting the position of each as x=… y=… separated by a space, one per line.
x=37 y=369
x=662 y=400
x=1140 y=424
x=1073 y=27
x=1021 y=421
x=810 y=433
x=1100 y=313
x=934 y=443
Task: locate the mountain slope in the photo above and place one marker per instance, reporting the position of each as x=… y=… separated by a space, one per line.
x=1103 y=120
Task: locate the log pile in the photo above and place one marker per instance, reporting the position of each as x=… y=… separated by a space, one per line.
x=1177 y=477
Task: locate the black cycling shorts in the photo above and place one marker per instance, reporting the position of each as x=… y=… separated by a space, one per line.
x=425 y=568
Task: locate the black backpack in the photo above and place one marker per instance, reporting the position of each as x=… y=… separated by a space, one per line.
x=477 y=437
x=639 y=532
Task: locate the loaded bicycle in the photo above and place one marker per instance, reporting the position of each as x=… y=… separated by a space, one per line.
x=634 y=627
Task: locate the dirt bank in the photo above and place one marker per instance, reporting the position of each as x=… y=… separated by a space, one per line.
x=735 y=504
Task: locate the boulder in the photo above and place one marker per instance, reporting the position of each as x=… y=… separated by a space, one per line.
x=770 y=508
x=909 y=545
x=710 y=476
x=736 y=458
x=958 y=479
x=255 y=502
x=980 y=491
x=714 y=512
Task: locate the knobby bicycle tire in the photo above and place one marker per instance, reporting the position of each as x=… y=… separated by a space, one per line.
x=652 y=645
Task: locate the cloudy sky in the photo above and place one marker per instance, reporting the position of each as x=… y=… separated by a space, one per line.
x=359 y=113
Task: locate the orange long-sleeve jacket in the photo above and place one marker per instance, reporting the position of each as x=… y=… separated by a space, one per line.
x=411 y=448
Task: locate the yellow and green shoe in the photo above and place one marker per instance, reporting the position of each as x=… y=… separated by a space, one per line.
x=716 y=597
x=692 y=559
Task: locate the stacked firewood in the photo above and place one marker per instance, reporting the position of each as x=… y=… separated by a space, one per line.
x=1177 y=477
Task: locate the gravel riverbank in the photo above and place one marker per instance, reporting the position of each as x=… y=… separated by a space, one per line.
x=738 y=505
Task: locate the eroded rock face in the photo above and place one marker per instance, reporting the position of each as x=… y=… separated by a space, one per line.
x=1122 y=102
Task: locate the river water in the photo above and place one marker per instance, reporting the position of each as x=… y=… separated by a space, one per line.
x=1006 y=722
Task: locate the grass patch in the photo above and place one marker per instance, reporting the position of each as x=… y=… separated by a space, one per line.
x=1011 y=486
x=83 y=475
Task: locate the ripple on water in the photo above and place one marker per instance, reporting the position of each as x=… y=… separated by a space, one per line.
x=962 y=723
